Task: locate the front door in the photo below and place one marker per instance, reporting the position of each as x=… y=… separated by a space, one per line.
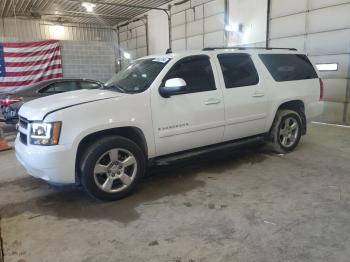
x=194 y=118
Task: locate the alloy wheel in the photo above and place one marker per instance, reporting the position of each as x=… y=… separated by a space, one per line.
x=289 y=132
x=115 y=170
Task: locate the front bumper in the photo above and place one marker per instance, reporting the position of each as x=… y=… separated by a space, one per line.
x=54 y=164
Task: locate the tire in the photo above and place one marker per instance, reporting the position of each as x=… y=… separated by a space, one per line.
x=283 y=139
x=111 y=168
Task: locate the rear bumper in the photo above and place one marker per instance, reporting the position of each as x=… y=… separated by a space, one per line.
x=54 y=164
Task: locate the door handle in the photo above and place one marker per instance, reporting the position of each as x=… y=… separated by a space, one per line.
x=258 y=94
x=212 y=101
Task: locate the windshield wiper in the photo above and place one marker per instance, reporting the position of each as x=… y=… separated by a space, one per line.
x=119 y=88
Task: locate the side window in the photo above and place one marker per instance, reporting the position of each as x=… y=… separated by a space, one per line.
x=238 y=70
x=89 y=85
x=196 y=71
x=61 y=87
x=288 y=67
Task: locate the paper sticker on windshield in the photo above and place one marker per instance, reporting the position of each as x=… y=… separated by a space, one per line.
x=161 y=59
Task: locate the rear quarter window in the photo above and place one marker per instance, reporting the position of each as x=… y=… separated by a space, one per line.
x=288 y=67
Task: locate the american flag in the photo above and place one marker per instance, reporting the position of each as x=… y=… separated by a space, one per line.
x=26 y=63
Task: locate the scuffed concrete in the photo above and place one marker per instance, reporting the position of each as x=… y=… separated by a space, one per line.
x=250 y=205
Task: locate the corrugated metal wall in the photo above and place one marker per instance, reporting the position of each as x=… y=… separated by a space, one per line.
x=29 y=30
x=320 y=28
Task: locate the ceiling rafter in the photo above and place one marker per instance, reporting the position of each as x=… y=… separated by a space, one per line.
x=107 y=11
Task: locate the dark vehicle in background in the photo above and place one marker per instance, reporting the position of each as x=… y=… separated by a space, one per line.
x=11 y=102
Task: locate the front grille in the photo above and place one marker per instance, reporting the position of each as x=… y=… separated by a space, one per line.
x=23 y=138
x=23 y=122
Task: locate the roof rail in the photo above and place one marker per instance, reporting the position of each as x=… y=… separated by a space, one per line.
x=249 y=48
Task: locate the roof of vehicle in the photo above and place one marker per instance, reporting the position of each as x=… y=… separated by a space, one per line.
x=47 y=82
x=220 y=50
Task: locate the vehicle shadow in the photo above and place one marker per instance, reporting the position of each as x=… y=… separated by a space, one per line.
x=159 y=183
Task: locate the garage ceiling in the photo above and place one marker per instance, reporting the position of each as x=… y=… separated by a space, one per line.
x=107 y=12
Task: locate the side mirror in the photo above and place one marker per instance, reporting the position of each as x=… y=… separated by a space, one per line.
x=173 y=86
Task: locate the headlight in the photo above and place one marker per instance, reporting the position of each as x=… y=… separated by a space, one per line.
x=45 y=134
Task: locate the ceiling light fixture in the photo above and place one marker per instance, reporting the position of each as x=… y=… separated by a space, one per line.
x=88 y=6
x=236 y=28
x=127 y=55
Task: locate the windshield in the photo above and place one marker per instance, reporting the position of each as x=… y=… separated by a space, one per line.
x=137 y=77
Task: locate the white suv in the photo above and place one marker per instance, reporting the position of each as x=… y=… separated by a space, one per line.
x=164 y=107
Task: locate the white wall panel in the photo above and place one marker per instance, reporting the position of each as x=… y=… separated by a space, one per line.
x=178 y=8
x=292 y=25
x=190 y=15
x=287 y=7
x=136 y=40
x=178 y=19
x=195 y=42
x=179 y=32
x=297 y=42
x=179 y=45
x=214 y=39
x=335 y=90
x=199 y=24
x=195 y=28
x=343 y=62
x=325 y=20
x=323 y=3
x=142 y=41
x=333 y=112
x=214 y=7
x=199 y=12
x=141 y=30
x=214 y=23
x=140 y=52
x=333 y=42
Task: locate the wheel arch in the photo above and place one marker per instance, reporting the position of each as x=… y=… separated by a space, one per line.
x=297 y=105
x=131 y=132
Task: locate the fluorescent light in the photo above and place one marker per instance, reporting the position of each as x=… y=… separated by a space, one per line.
x=327 y=67
x=126 y=55
x=88 y=6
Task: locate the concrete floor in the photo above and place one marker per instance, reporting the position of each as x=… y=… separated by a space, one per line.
x=247 y=206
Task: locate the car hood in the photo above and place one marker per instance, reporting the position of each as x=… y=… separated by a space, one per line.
x=37 y=109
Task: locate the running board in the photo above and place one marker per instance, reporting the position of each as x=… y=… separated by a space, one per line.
x=165 y=160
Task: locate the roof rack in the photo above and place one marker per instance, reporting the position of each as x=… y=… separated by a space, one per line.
x=249 y=48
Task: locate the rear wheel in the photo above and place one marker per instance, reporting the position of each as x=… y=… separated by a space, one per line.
x=111 y=168
x=286 y=131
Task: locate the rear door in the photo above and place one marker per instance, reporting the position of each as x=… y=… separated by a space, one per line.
x=244 y=94
x=192 y=119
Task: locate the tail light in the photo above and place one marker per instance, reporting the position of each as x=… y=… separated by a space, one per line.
x=10 y=101
x=321 y=90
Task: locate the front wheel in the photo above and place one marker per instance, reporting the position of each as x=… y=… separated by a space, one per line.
x=111 y=168
x=286 y=131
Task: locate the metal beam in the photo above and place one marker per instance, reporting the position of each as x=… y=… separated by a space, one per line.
x=268 y=23
x=123 y=5
x=63 y=12
x=62 y=15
